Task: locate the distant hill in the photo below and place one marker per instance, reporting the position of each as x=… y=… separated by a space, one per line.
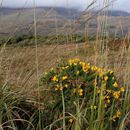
x=64 y=12
x=50 y=20
x=113 y=13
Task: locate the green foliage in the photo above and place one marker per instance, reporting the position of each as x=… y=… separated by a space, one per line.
x=16 y=112
x=52 y=39
x=87 y=89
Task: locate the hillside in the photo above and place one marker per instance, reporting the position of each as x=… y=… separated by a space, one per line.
x=60 y=20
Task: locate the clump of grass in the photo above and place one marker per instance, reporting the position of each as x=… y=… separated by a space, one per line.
x=16 y=112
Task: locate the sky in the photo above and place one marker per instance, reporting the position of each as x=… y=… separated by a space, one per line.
x=81 y=4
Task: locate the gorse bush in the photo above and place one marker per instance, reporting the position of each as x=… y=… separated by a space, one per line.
x=90 y=94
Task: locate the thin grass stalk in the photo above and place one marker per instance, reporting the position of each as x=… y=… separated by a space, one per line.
x=37 y=66
x=63 y=103
x=92 y=109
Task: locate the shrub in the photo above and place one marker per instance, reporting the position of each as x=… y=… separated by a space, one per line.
x=89 y=93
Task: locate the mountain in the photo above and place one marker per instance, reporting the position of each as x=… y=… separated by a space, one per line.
x=20 y=21
x=50 y=20
x=117 y=13
x=114 y=13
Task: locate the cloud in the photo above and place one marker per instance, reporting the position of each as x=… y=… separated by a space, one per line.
x=69 y=3
x=61 y=3
x=119 y=4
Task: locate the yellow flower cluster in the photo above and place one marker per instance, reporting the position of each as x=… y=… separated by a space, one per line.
x=79 y=91
x=58 y=87
x=104 y=75
x=115 y=84
x=55 y=78
x=73 y=61
x=116 y=116
x=85 y=67
x=64 y=77
x=116 y=94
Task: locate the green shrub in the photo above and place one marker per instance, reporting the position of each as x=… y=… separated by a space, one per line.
x=91 y=94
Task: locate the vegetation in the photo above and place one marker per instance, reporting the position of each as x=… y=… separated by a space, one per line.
x=52 y=82
x=47 y=40
x=83 y=93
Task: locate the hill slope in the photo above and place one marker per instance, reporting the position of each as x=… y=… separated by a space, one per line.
x=59 y=20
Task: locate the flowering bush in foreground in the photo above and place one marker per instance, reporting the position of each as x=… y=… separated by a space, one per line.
x=94 y=90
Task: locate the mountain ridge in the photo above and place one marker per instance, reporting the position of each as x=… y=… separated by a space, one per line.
x=64 y=20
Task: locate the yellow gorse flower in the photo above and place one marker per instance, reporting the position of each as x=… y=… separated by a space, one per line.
x=116 y=116
x=64 y=77
x=118 y=113
x=116 y=95
x=115 y=85
x=80 y=91
x=55 y=78
x=77 y=73
x=66 y=85
x=106 y=78
x=122 y=89
x=74 y=61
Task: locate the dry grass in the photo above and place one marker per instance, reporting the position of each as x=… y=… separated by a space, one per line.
x=18 y=67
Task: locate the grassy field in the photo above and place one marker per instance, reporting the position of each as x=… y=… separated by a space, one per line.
x=18 y=79
x=65 y=73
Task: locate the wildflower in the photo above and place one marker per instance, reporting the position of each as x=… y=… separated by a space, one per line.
x=63 y=68
x=56 y=89
x=115 y=85
x=66 y=85
x=100 y=72
x=109 y=91
x=122 y=89
x=64 y=77
x=113 y=78
x=106 y=78
x=66 y=67
x=75 y=64
x=55 y=78
x=61 y=88
x=116 y=95
x=108 y=101
x=118 y=114
x=80 y=92
x=77 y=73
x=107 y=97
x=73 y=61
x=82 y=63
x=111 y=72
x=85 y=68
x=88 y=64
x=94 y=68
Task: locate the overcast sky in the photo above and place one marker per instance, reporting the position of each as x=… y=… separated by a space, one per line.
x=118 y=5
